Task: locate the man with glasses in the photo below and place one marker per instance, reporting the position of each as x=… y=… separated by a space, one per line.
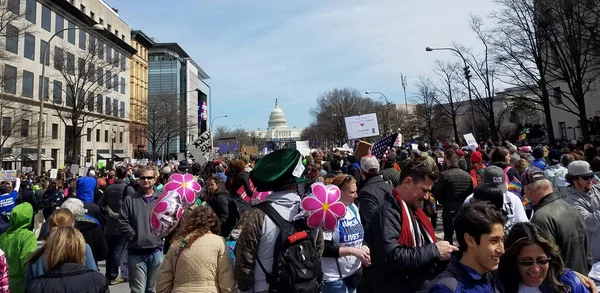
x=585 y=197
x=144 y=249
x=561 y=221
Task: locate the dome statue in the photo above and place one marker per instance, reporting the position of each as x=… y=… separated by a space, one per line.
x=277 y=118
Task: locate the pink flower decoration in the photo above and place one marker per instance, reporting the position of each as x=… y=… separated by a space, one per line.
x=166 y=213
x=185 y=186
x=259 y=196
x=324 y=206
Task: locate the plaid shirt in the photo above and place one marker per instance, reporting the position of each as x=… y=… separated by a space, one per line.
x=3 y=274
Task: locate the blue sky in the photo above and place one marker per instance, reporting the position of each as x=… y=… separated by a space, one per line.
x=256 y=51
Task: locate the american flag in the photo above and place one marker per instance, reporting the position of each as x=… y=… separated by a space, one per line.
x=381 y=147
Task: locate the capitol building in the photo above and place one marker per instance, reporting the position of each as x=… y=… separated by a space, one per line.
x=278 y=131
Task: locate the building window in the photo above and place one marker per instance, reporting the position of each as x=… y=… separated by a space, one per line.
x=122 y=110
x=46 y=17
x=81 y=68
x=97 y=135
x=108 y=54
x=46 y=90
x=59 y=24
x=563 y=129
x=54 y=155
x=123 y=63
x=82 y=39
x=59 y=58
x=71 y=33
x=122 y=85
x=43 y=45
x=100 y=76
x=14 y=6
x=89 y=134
x=29 y=51
x=70 y=63
x=10 y=79
x=100 y=50
x=24 y=128
x=99 y=103
x=115 y=108
x=57 y=92
x=70 y=99
x=12 y=39
x=6 y=126
x=108 y=80
x=108 y=106
x=27 y=84
x=557 y=96
x=116 y=83
x=105 y=135
x=92 y=45
x=30 y=10
x=90 y=102
x=54 y=131
x=121 y=137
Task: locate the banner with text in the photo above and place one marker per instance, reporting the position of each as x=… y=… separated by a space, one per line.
x=362 y=126
x=200 y=148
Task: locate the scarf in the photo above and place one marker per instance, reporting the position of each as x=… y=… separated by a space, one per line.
x=409 y=232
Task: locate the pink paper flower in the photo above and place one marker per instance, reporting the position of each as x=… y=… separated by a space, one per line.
x=324 y=206
x=186 y=187
x=259 y=196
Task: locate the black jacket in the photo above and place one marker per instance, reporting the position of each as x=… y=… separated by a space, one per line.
x=564 y=226
x=397 y=268
x=453 y=187
x=225 y=209
x=113 y=198
x=92 y=233
x=69 y=278
x=371 y=196
x=241 y=179
x=391 y=175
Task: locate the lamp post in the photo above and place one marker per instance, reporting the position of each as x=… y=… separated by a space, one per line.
x=96 y=27
x=230 y=128
x=467 y=77
x=387 y=108
x=211 y=130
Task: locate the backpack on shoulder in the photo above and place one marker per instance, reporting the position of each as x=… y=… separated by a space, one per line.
x=296 y=261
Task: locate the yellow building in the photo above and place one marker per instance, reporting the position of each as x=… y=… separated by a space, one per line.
x=139 y=92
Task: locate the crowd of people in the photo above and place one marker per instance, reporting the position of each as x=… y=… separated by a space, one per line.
x=514 y=219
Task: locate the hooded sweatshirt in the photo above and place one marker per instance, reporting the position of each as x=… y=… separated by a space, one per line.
x=85 y=188
x=588 y=205
x=18 y=243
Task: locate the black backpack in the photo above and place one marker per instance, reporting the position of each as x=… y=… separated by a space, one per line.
x=240 y=205
x=296 y=258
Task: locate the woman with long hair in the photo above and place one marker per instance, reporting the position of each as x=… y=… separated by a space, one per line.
x=199 y=259
x=65 y=257
x=532 y=263
x=37 y=263
x=344 y=252
x=239 y=178
x=218 y=199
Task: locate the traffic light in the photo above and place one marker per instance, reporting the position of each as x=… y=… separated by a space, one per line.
x=467 y=72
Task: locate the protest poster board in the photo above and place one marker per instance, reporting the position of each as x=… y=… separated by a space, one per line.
x=362 y=126
x=26 y=170
x=8 y=175
x=101 y=163
x=303 y=147
x=471 y=140
x=251 y=150
x=74 y=169
x=83 y=171
x=414 y=146
x=398 y=141
x=200 y=148
x=53 y=173
x=88 y=164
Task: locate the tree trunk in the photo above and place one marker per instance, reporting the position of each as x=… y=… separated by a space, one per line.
x=547 y=115
x=455 y=128
x=584 y=125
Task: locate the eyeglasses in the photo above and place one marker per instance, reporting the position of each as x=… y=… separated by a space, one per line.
x=146 y=178
x=590 y=177
x=539 y=261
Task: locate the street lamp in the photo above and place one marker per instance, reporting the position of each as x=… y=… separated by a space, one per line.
x=230 y=128
x=467 y=77
x=387 y=109
x=211 y=129
x=96 y=27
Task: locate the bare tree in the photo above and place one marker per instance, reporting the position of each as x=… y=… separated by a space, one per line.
x=449 y=98
x=12 y=25
x=428 y=115
x=164 y=125
x=18 y=127
x=522 y=44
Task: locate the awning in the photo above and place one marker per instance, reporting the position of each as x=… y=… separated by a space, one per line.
x=103 y=156
x=121 y=156
x=33 y=157
x=9 y=157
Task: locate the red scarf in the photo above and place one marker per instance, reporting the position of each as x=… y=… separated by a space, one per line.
x=406 y=233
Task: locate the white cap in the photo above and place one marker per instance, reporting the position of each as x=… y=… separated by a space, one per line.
x=92 y=173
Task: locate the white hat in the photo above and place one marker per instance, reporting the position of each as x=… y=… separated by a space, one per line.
x=92 y=173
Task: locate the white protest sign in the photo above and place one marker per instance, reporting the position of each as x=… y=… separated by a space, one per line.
x=8 y=175
x=83 y=171
x=200 y=148
x=398 y=141
x=471 y=140
x=53 y=173
x=414 y=146
x=133 y=161
x=88 y=164
x=362 y=126
x=26 y=169
x=303 y=147
x=74 y=169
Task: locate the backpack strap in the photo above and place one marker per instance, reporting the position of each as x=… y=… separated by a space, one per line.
x=282 y=224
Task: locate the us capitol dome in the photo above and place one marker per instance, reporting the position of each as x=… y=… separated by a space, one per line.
x=277 y=129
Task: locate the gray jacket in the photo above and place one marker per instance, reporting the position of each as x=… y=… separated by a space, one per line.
x=134 y=221
x=588 y=205
x=113 y=199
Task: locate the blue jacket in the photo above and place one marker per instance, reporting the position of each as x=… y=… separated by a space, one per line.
x=85 y=188
x=38 y=267
x=460 y=278
x=540 y=164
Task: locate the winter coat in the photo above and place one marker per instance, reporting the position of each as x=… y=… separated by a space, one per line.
x=557 y=174
x=85 y=188
x=203 y=267
x=391 y=175
x=18 y=242
x=453 y=187
x=70 y=278
x=460 y=278
x=354 y=170
x=37 y=267
x=113 y=198
x=588 y=205
x=225 y=209
x=564 y=226
x=94 y=237
x=396 y=267
x=257 y=240
x=371 y=196
x=241 y=179
x=540 y=164
x=427 y=160
x=135 y=224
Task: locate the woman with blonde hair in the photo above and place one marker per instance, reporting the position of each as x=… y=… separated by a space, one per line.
x=198 y=260
x=65 y=259
x=37 y=262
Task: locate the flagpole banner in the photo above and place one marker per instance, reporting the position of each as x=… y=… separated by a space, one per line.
x=362 y=126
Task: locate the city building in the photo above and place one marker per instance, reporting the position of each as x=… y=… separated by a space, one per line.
x=277 y=131
x=176 y=85
x=139 y=92
x=86 y=73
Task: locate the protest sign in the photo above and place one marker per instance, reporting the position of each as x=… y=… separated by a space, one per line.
x=101 y=163
x=200 y=148
x=83 y=171
x=303 y=147
x=53 y=173
x=471 y=140
x=362 y=126
x=74 y=169
x=8 y=175
x=26 y=170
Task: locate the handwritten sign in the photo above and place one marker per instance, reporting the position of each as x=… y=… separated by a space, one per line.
x=74 y=169
x=26 y=169
x=8 y=175
x=53 y=173
x=83 y=171
x=200 y=148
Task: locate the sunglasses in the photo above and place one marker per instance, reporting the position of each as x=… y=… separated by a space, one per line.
x=587 y=177
x=146 y=178
x=539 y=261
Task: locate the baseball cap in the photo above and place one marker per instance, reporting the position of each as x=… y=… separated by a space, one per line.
x=92 y=173
x=532 y=175
x=580 y=168
x=369 y=164
x=494 y=174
